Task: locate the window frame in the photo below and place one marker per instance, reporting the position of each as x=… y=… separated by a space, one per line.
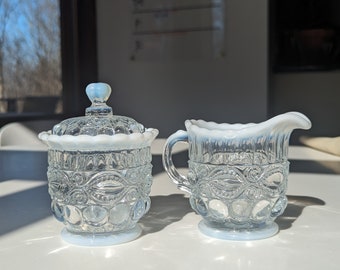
x=78 y=35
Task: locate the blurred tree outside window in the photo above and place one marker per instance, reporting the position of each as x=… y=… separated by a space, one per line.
x=30 y=57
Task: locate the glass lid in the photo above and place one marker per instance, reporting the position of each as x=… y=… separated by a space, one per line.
x=98 y=119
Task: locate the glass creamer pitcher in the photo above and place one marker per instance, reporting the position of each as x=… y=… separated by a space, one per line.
x=238 y=173
x=99 y=173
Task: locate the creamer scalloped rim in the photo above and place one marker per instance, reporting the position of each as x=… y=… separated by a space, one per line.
x=101 y=142
x=281 y=122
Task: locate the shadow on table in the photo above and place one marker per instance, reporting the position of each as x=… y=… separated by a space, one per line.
x=164 y=211
x=294 y=209
x=23 y=208
x=23 y=164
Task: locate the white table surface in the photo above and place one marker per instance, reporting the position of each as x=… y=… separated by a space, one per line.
x=309 y=236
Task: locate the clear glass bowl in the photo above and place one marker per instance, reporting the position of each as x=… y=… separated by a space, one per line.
x=99 y=173
x=238 y=174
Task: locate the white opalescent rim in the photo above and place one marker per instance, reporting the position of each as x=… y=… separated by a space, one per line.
x=281 y=123
x=100 y=142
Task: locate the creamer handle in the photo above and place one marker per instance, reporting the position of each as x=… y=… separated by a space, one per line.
x=176 y=177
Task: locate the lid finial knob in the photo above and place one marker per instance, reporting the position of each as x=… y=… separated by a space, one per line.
x=98 y=93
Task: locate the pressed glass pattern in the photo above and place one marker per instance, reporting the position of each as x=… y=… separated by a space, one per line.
x=99 y=173
x=238 y=174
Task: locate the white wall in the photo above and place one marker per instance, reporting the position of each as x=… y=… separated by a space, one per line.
x=164 y=94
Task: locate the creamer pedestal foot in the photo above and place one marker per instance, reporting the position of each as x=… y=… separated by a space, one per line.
x=241 y=235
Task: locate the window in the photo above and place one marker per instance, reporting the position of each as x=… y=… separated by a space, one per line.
x=47 y=57
x=305 y=35
x=30 y=62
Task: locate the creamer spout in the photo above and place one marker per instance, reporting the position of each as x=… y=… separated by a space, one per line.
x=290 y=121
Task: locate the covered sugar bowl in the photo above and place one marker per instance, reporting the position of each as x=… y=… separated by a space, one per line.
x=99 y=173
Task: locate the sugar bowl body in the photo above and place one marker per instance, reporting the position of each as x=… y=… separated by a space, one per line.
x=99 y=173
